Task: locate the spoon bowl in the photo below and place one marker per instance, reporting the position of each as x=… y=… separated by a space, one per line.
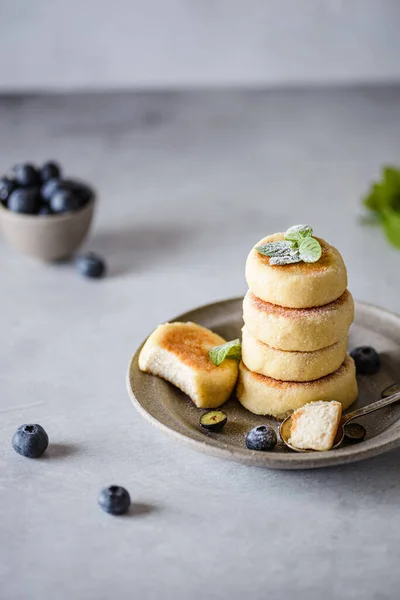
x=286 y=425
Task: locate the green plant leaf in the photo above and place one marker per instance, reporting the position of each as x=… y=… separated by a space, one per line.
x=231 y=349
x=391 y=225
x=310 y=250
x=384 y=193
x=298 y=232
x=373 y=199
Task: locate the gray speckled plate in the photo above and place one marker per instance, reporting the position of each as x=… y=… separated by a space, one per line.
x=170 y=410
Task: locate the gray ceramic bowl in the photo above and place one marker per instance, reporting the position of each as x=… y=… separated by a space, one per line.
x=47 y=238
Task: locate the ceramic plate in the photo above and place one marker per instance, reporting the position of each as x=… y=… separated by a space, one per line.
x=170 y=410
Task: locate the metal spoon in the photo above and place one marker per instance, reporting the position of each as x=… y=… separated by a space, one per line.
x=286 y=425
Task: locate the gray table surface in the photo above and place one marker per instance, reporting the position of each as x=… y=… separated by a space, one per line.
x=187 y=183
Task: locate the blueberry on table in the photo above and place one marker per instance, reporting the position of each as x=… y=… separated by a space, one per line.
x=114 y=500
x=390 y=390
x=261 y=438
x=213 y=420
x=367 y=360
x=354 y=433
x=91 y=265
x=26 y=174
x=30 y=440
x=24 y=200
x=6 y=187
x=63 y=201
x=48 y=188
x=50 y=170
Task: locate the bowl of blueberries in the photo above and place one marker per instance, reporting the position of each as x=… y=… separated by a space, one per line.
x=43 y=214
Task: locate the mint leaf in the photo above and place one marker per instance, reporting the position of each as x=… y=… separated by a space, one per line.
x=280 y=253
x=285 y=260
x=299 y=247
x=298 y=232
x=275 y=248
x=231 y=349
x=310 y=250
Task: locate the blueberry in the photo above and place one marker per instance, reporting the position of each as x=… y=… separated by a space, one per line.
x=354 y=433
x=114 y=500
x=367 y=360
x=213 y=420
x=48 y=188
x=30 y=440
x=26 y=175
x=50 y=170
x=6 y=187
x=261 y=438
x=45 y=210
x=91 y=265
x=82 y=190
x=24 y=200
x=63 y=201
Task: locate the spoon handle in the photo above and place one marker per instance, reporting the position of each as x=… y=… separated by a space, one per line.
x=365 y=410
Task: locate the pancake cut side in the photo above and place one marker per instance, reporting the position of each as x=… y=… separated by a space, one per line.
x=179 y=353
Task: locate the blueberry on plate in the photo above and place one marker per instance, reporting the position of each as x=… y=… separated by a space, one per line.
x=24 y=200
x=390 y=390
x=6 y=187
x=91 y=265
x=114 y=500
x=367 y=360
x=63 y=201
x=45 y=210
x=30 y=440
x=50 y=170
x=48 y=188
x=354 y=433
x=213 y=420
x=26 y=174
x=261 y=438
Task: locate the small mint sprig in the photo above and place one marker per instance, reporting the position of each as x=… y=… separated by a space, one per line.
x=231 y=349
x=298 y=245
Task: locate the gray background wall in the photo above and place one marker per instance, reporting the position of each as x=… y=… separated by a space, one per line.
x=81 y=44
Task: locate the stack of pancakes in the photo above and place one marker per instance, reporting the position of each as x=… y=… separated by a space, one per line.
x=295 y=335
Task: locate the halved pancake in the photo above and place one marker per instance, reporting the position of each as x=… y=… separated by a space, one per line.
x=298 y=285
x=178 y=352
x=298 y=329
x=291 y=366
x=266 y=396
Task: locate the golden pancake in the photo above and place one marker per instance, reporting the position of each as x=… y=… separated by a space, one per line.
x=266 y=396
x=291 y=366
x=298 y=285
x=179 y=353
x=298 y=329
